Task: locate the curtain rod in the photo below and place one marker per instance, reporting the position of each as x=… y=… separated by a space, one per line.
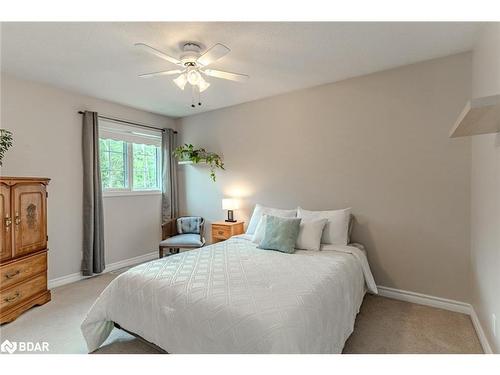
x=128 y=122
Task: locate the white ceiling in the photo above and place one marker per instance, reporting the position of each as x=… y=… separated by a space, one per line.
x=100 y=60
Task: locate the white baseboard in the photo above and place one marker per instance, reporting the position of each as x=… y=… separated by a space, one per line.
x=63 y=280
x=131 y=261
x=425 y=299
x=440 y=303
x=480 y=333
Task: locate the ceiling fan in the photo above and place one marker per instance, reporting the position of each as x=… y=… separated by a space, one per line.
x=192 y=67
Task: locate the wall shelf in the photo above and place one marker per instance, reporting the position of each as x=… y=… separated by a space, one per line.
x=480 y=116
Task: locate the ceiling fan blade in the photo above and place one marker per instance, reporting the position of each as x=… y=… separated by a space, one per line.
x=226 y=75
x=213 y=54
x=162 y=73
x=158 y=53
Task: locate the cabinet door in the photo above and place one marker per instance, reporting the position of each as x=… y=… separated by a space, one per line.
x=5 y=223
x=29 y=209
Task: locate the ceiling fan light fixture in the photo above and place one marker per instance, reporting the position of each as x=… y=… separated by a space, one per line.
x=181 y=81
x=193 y=76
x=192 y=67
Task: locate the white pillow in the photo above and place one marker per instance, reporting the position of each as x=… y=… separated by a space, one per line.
x=310 y=233
x=336 y=230
x=260 y=210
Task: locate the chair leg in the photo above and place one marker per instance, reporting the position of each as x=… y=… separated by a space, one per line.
x=160 y=252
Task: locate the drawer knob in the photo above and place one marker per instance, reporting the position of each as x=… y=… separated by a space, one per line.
x=13 y=274
x=14 y=297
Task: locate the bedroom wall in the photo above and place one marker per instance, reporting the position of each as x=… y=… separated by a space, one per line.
x=485 y=192
x=47 y=142
x=377 y=143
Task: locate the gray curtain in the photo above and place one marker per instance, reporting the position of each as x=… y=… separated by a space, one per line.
x=170 y=201
x=93 y=221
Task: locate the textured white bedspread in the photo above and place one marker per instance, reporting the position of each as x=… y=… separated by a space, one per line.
x=234 y=298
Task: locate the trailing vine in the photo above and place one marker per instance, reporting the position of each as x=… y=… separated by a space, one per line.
x=187 y=152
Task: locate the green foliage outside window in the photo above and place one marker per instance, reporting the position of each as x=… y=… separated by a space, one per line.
x=116 y=173
x=113 y=159
x=145 y=168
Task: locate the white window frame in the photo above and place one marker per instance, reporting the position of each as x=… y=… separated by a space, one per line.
x=131 y=135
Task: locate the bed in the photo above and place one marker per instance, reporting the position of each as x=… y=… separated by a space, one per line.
x=232 y=297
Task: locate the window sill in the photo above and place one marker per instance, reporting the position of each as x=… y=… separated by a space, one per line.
x=110 y=194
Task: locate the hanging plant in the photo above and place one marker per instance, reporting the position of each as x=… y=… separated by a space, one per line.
x=188 y=154
x=5 y=142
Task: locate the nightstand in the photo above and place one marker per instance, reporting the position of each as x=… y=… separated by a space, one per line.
x=223 y=230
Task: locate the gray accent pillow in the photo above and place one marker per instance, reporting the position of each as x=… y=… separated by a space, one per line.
x=280 y=234
x=189 y=224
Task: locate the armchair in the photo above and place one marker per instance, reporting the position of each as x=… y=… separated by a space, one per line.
x=185 y=232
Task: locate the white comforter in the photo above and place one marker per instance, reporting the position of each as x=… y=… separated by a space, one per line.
x=234 y=298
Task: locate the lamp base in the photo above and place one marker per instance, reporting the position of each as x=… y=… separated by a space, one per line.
x=230 y=217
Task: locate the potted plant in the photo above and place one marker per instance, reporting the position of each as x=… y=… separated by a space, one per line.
x=187 y=154
x=5 y=142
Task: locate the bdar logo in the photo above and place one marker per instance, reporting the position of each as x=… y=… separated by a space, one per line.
x=24 y=346
x=8 y=347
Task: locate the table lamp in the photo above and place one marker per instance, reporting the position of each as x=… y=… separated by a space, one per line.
x=230 y=204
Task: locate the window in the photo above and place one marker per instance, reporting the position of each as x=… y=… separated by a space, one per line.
x=113 y=159
x=130 y=159
x=145 y=162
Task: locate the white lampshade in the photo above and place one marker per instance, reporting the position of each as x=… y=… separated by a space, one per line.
x=230 y=204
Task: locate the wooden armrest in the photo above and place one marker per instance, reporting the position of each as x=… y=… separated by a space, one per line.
x=169 y=228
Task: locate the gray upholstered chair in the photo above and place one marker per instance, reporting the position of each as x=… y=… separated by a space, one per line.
x=185 y=232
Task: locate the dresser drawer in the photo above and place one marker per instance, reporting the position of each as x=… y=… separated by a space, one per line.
x=221 y=231
x=21 y=292
x=22 y=269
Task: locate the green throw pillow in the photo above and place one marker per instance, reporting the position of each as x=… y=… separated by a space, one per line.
x=280 y=234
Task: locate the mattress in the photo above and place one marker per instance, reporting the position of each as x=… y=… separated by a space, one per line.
x=231 y=297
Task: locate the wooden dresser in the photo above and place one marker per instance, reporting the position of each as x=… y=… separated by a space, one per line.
x=23 y=245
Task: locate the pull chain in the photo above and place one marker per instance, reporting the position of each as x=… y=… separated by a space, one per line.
x=195 y=94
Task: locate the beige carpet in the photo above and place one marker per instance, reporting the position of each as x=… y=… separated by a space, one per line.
x=386 y=325
x=383 y=326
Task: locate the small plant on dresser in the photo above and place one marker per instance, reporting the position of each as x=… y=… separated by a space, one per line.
x=5 y=143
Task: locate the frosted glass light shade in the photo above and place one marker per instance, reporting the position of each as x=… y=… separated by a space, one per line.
x=181 y=81
x=202 y=84
x=193 y=77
